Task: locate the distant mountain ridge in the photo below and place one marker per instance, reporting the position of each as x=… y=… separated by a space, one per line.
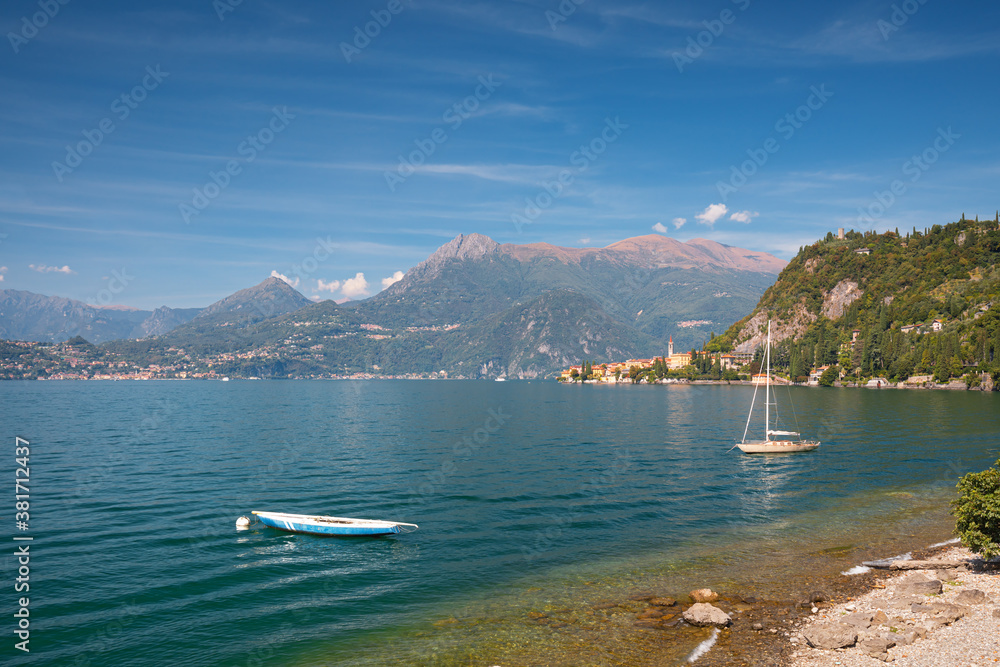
x=35 y=317
x=655 y=284
x=476 y=308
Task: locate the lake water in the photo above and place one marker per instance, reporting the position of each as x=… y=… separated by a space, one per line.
x=532 y=498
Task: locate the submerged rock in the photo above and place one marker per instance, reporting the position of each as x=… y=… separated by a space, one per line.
x=704 y=595
x=702 y=614
x=662 y=602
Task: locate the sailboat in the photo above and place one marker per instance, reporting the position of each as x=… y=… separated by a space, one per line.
x=774 y=441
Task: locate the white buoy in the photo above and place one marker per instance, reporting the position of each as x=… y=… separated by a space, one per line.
x=243 y=522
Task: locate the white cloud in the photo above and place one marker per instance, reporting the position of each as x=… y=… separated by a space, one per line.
x=744 y=216
x=3 y=270
x=711 y=214
x=660 y=227
x=293 y=283
x=583 y=240
x=332 y=286
x=355 y=287
x=394 y=278
x=42 y=268
x=679 y=222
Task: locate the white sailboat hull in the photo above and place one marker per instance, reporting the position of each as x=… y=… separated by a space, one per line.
x=777 y=446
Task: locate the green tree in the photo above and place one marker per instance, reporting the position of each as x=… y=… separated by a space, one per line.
x=977 y=511
x=829 y=376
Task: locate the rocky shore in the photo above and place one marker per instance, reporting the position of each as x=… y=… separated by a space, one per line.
x=943 y=612
x=948 y=615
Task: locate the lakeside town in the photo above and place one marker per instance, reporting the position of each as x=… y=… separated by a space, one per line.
x=703 y=366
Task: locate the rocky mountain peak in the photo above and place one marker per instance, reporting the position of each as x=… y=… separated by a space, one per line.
x=464 y=246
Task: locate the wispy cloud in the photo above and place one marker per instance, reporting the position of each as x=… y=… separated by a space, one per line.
x=356 y=287
x=43 y=268
x=394 y=278
x=332 y=286
x=679 y=222
x=711 y=214
x=504 y=173
x=744 y=216
x=293 y=283
x=660 y=227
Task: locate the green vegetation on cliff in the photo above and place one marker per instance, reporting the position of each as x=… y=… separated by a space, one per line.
x=887 y=305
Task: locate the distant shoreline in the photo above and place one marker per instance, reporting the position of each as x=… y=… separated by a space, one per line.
x=957 y=385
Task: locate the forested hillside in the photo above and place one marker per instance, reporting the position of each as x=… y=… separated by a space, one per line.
x=893 y=305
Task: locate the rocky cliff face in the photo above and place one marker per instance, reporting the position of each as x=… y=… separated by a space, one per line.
x=754 y=332
x=837 y=300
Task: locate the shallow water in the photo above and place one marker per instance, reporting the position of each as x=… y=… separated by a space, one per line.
x=535 y=501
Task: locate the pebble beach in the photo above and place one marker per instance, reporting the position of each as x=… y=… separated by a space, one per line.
x=947 y=617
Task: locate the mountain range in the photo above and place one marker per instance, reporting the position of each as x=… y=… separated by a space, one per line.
x=473 y=308
x=29 y=316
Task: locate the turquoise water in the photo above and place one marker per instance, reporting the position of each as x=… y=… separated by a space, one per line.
x=530 y=496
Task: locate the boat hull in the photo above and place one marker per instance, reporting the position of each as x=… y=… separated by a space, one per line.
x=328 y=525
x=777 y=446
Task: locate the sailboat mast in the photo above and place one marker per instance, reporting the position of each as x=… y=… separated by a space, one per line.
x=767 y=387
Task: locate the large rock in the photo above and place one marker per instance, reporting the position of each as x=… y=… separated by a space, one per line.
x=704 y=595
x=949 y=613
x=971 y=596
x=859 y=619
x=877 y=647
x=830 y=635
x=702 y=614
x=907 y=637
x=925 y=564
x=919 y=586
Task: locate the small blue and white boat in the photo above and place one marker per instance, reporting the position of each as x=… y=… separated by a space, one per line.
x=332 y=525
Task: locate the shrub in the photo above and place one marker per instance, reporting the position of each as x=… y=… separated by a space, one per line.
x=977 y=511
x=829 y=376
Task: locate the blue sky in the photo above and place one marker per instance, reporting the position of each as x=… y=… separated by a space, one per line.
x=173 y=153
